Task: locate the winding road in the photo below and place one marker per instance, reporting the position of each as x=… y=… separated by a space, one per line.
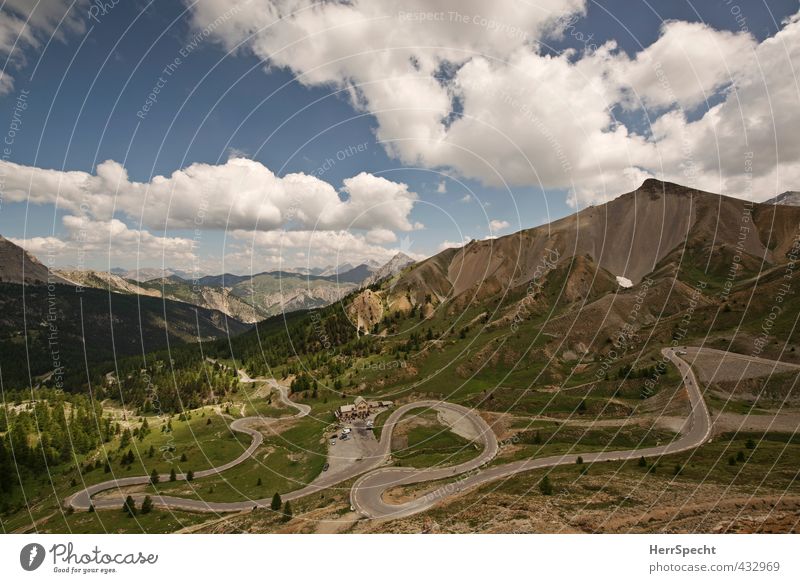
x=82 y=499
x=367 y=493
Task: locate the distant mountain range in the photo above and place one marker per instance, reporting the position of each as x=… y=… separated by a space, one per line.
x=248 y=298
x=63 y=320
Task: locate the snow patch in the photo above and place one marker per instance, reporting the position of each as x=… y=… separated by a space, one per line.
x=624 y=282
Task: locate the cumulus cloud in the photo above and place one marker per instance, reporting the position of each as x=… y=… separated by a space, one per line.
x=318 y=248
x=498 y=225
x=454 y=244
x=463 y=85
x=240 y=194
x=113 y=240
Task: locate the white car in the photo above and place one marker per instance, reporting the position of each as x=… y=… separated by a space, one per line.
x=346 y=430
x=333 y=442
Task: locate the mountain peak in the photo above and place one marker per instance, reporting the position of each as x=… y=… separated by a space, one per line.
x=19 y=266
x=655 y=186
x=789 y=198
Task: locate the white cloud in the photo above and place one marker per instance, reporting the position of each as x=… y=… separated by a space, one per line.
x=534 y=119
x=240 y=194
x=498 y=225
x=453 y=244
x=686 y=65
x=28 y=25
x=467 y=198
x=318 y=247
x=442 y=188
x=381 y=236
x=103 y=242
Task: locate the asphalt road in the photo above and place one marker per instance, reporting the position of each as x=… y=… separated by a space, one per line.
x=82 y=499
x=366 y=494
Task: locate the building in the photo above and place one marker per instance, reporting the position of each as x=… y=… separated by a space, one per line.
x=360 y=409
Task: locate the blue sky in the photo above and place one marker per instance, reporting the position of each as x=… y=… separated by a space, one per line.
x=84 y=86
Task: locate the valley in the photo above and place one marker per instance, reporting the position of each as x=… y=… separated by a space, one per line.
x=530 y=391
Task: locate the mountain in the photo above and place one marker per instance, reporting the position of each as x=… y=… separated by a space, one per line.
x=104 y=280
x=148 y=273
x=665 y=238
x=355 y=275
x=392 y=267
x=246 y=298
x=68 y=319
x=19 y=266
x=790 y=198
x=626 y=237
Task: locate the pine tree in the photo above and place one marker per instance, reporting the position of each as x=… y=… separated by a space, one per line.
x=545 y=487
x=189 y=476
x=172 y=475
x=129 y=507
x=147 y=505
x=287 y=511
x=154 y=477
x=276 y=502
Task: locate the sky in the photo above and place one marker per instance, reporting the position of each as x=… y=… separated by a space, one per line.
x=245 y=136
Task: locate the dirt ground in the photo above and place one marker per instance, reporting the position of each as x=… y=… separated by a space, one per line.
x=713 y=366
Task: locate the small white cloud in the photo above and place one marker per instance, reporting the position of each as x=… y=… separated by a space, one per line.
x=467 y=198
x=453 y=244
x=442 y=188
x=498 y=225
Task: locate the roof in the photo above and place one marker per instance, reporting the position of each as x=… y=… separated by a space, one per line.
x=359 y=400
x=346 y=408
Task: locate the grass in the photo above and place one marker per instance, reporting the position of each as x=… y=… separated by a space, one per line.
x=433 y=444
x=158 y=521
x=554 y=439
x=285 y=462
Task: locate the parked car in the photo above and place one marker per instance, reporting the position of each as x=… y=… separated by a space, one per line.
x=344 y=437
x=333 y=442
x=346 y=430
x=325 y=467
